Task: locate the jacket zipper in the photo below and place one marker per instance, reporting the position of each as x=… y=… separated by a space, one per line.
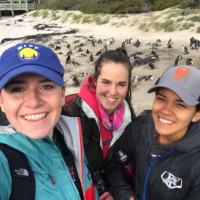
x=151 y=165
x=149 y=170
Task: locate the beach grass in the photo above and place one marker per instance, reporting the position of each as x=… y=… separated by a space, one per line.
x=168 y=21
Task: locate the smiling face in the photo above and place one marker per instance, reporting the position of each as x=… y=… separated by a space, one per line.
x=171 y=116
x=112 y=85
x=32 y=104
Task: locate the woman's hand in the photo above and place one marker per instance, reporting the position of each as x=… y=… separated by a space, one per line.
x=106 y=196
x=109 y=198
x=131 y=198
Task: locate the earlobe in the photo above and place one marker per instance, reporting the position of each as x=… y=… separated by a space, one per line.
x=196 y=117
x=1 y=105
x=95 y=83
x=63 y=96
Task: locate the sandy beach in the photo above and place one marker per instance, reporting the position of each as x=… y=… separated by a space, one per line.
x=23 y=25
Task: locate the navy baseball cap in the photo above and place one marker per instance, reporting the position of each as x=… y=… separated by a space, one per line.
x=183 y=80
x=30 y=58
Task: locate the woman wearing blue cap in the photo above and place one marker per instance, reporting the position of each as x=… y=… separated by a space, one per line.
x=164 y=145
x=32 y=94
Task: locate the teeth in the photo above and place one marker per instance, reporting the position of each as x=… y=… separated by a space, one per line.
x=110 y=99
x=35 y=117
x=165 y=121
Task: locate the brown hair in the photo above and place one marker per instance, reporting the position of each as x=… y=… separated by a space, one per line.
x=198 y=107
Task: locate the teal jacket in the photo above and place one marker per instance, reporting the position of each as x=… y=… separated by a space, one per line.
x=45 y=159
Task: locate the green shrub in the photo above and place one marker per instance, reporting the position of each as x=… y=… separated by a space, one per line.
x=120 y=15
x=100 y=20
x=66 y=17
x=168 y=26
x=161 y=5
x=174 y=14
x=157 y=26
x=143 y=27
x=45 y=14
x=87 y=19
x=195 y=18
x=36 y=13
x=180 y=19
x=77 y=17
x=56 y=18
x=54 y=15
x=132 y=23
x=187 y=26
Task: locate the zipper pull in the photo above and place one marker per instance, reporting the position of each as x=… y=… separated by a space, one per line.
x=52 y=180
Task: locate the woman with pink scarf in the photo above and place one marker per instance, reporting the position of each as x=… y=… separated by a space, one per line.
x=104 y=106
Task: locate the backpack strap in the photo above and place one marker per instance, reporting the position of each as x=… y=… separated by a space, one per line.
x=23 y=181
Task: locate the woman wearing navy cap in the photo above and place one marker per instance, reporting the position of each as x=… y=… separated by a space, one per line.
x=164 y=145
x=32 y=94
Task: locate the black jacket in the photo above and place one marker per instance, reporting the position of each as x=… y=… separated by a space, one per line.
x=162 y=172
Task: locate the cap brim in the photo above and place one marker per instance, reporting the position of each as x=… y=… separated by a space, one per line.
x=35 y=69
x=184 y=94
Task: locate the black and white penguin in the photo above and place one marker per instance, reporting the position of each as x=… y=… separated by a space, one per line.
x=75 y=81
x=177 y=60
x=137 y=43
x=185 y=50
x=189 y=61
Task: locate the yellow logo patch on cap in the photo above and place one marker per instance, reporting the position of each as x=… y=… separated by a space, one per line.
x=28 y=52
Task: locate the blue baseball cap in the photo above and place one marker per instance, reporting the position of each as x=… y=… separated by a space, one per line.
x=30 y=58
x=183 y=80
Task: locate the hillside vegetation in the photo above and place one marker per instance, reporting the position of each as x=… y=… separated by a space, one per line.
x=116 y=6
x=168 y=20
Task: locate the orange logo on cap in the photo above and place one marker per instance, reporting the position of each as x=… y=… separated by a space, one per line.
x=181 y=73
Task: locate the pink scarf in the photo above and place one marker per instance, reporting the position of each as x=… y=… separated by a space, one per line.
x=117 y=117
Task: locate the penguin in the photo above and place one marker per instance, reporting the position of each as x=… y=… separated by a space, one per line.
x=137 y=43
x=83 y=74
x=57 y=48
x=105 y=48
x=169 y=43
x=135 y=81
x=185 y=50
x=189 y=61
x=136 y=54
x=68 y=60
x=69 y=53
x=99 y=41
x=80 y=50
x=146 y=78
x=155 y=55
x=75 y=81
x=151 y=66
x=93 y=42
x=130 y=40
x=177 y=60
x=158 y=41
x=87 y=51
x=91 y=58
x=123 y=45
x=137 y=61
x=82 y=55
x=99 y=52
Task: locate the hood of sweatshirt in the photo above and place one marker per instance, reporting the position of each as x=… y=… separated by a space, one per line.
x=87 y=93
x=190 y=141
